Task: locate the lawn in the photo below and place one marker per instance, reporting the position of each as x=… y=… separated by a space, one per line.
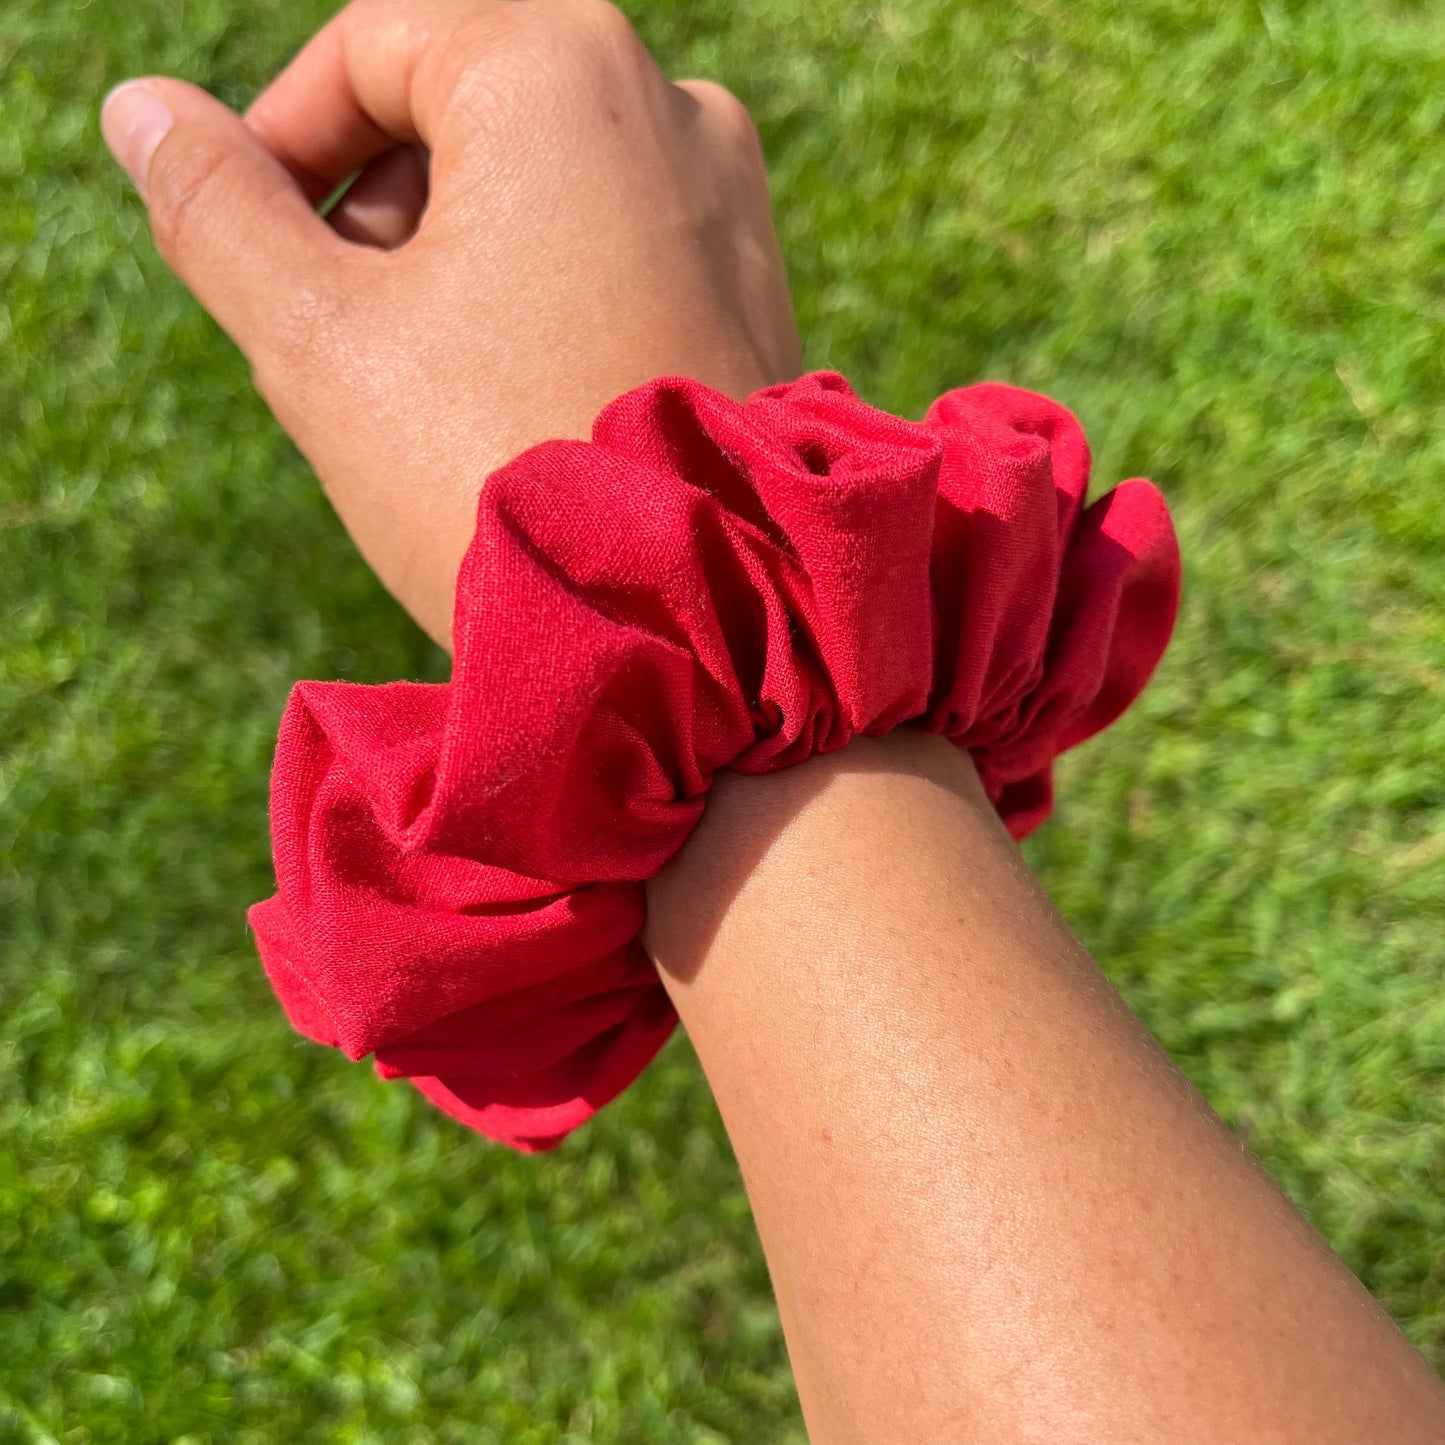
x=1216 y=229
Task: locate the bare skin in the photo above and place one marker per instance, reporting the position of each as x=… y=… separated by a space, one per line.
x=993 y=1209
x=589 y=226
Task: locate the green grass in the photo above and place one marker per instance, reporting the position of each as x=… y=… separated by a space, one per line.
x=1215 y=228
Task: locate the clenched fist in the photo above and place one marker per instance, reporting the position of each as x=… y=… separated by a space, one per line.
x=542 y=221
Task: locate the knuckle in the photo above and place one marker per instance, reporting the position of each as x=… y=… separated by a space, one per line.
x=728 y=131
x=578 y=50
x=733 y=118
x=606 y=23
x=492 y=64
x=591 y=43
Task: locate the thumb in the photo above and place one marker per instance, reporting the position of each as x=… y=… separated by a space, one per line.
x=227 y=216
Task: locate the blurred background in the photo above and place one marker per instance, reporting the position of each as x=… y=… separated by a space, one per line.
x=1216 y=229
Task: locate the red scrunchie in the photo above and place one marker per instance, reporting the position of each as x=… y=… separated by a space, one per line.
x=704 y=584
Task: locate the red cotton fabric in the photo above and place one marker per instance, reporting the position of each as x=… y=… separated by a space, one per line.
x=705 y=584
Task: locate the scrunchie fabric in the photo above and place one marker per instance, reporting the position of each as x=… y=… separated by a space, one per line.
x=704 y=584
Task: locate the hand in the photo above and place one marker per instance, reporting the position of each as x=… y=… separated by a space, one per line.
x=542 y=222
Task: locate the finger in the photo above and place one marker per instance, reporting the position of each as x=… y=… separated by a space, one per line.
x=312 y=121
x=384 y=205
x=378 y=75
x=228 y=219
x=725 y=116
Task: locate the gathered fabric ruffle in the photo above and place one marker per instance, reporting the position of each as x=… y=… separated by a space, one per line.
x=704 y=584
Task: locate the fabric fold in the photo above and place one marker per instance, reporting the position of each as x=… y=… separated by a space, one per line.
x=704 y=584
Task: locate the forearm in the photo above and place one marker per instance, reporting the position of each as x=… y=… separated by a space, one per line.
x=992 y=1207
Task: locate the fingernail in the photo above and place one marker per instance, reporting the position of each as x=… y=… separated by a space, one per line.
x=134 y=121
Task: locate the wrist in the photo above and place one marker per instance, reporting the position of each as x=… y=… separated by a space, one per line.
x=708 y=588
x=731 y=870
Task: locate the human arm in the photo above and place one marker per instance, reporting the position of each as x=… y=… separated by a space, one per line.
x=589 y=226
x=993 y=1208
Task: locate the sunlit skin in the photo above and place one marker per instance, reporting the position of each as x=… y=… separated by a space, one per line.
x=993 y=1209
x=589 y=226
